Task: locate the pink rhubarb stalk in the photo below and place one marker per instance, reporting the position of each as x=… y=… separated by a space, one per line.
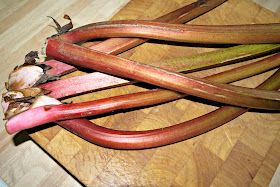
x=163 y=136
x=130 y=100
x=82 y=84
x=58 y=68
x=175 y=81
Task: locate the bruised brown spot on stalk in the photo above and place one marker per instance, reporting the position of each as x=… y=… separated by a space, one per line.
x=203 y=3
x=48 y=107
x=14 y=85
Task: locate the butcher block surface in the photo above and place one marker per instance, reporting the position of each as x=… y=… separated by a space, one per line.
x=243 y=152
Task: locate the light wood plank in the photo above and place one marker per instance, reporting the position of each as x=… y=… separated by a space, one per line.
x=24 y=26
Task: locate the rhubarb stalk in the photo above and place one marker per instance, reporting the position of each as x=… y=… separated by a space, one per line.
x=130 y=100
x=79 y=119
x=210 y=34
x=159 y=137
x=181 y=15
x=175 y=81
x=82 y=84
x=118 y=45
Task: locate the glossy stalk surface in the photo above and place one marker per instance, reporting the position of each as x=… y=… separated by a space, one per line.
x=159 y=137
x=132 y=100
x=84 y=83
x=118 y=45
x=224 y=93
x=208 y=34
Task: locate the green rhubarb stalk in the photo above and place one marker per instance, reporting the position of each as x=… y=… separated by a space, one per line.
x=216 y=58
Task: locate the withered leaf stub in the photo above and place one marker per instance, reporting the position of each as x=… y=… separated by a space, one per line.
x=45 y=78
x=68 y=26
x=60 y=30
x=30 y=58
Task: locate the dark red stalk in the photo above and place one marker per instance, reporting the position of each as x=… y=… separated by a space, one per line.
x=95 y=81
x=130 y=100
x=85 y=122
x=118 y=45
x=211 y=34
x=164 y=136
x=182 y=15
x=183 y=83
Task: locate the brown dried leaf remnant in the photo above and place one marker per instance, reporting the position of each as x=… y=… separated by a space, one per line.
x=15 y=102
x=60 y=30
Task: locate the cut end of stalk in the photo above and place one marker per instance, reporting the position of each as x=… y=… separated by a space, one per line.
x=45 y=101
x=15 y=102
x=29 y=74
x=21 y=121
x=24 y=77
x=43 y=51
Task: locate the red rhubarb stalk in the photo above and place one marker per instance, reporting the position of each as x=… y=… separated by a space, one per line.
x=159 y=137
x=81 y=84
x=182 y=15
x=130 y=100
x=58 y=68
x=210 y=34
x=229 y=94
x=118 y=45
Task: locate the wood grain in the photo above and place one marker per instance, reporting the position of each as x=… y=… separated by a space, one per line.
x=242 y=152
x=24 y=27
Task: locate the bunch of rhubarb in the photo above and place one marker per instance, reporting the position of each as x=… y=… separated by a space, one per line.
x=34 y=100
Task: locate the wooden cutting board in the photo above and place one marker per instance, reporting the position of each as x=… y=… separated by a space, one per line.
x=242 y=152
